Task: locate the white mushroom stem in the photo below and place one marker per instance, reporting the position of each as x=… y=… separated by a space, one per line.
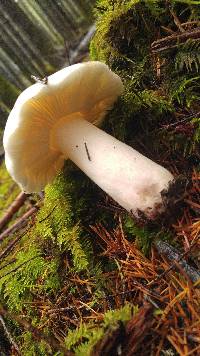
x=132 y=180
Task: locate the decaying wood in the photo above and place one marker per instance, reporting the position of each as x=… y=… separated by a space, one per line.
x=19 y=224
x=137 y=329
x=125 y=340
x=111 y=342
x=174 y=40
x=12 y=209
x=174 y=255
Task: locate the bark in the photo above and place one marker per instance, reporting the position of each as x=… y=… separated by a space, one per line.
x=177 y=258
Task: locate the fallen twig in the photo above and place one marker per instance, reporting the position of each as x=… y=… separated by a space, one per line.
x=174 y=40
x=20 y=223
x=40 y=80
x=12 y=209
x=177 y=123
x=11 y=245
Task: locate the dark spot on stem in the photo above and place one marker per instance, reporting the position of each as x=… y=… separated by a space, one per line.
x=86 y=148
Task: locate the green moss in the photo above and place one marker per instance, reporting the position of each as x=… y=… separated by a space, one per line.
x=32 y=347
x=56 y=221
x=29 y=273
x=83 y=339
x=37 y=263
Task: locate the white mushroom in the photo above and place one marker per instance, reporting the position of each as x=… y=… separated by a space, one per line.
x=55 y=121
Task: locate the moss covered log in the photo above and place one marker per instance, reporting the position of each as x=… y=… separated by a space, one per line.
x=83 y=273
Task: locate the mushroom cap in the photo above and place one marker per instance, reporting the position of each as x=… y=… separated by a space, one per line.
x=89 y=89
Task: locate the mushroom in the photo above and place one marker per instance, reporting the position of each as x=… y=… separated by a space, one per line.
x=55 y=120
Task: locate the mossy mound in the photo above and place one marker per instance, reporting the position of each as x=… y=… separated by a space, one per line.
x=161 y=80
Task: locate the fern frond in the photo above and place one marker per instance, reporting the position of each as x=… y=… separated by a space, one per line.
x=76 y=336
x=196 y=137
x=154 y=6
x=185 y=91
x=188 y=56
x=68 y=239
x=123 y=314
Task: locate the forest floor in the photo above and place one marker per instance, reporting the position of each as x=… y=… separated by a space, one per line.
x=78 y=274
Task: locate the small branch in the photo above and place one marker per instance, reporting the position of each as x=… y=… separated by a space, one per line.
x=8 y=335
x=176 y=123
x=191 y=23
x=174 y=40
x=13 y=208
x=20 y=223
x=83 y=46
x=11 y=245
x=58 y=310
x=138 y=286
x=168 y=30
